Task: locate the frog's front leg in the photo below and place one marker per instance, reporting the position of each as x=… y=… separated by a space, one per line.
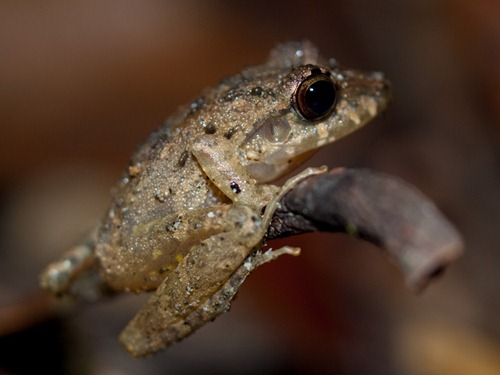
x=223 y=163
x=207 y=266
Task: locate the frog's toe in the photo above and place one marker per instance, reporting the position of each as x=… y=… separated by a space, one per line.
x=57 y=277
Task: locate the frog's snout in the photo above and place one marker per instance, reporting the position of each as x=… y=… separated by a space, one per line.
x=373 y=85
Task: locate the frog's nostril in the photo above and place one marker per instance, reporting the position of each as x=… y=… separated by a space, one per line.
x=387 y=87
x=386 y=92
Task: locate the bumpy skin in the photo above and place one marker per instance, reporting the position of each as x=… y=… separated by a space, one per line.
x=195 y=201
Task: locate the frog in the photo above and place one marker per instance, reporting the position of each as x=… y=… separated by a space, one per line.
x=188 y=217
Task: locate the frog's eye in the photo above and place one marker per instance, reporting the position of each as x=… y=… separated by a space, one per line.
x=315 y=97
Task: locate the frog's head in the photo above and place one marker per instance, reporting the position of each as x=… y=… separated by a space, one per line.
x=318 y=103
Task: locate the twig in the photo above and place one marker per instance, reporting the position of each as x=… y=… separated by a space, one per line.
x=378 y=208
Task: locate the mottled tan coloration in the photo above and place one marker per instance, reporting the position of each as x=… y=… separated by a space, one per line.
x=189 y=209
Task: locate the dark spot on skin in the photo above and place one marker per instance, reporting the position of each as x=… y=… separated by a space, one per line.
x=210 y=129
x=235 y=187
x=257 y=91
x=160 y=196
x=230 y=133
x=183 y=159
x=231 y=96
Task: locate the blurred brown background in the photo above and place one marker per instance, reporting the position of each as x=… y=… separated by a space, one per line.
x=83 y=82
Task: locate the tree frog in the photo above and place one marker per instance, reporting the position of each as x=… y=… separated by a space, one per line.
x=190 y=213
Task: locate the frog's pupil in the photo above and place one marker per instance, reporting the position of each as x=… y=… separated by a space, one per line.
x=320 y=97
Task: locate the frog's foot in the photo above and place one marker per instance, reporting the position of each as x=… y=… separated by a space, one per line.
x=287 y=186
x=168 y=317
x=259 y=258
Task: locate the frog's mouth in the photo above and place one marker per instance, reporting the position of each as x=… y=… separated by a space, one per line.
x=279 y=144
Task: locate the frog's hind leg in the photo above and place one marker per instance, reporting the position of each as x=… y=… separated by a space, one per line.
x=76 y=274
x=173 y=312
x=142 y=337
